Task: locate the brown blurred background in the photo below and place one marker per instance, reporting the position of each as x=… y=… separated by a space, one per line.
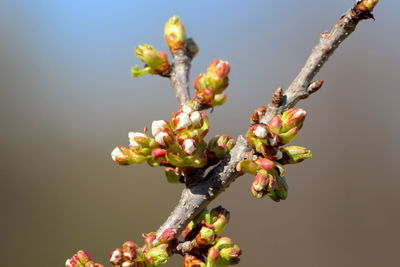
x=66 y=99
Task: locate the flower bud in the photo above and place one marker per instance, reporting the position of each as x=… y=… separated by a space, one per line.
x=116 y=257
x=189 y=146
x=218 y=69
x=262 y=183
x=223 y=242
x=221 y=145
x=159 y=126
x=157 y=255
x=220 y=218
x=281 y=188
x=260 y=131
x=367 y=5
x=155 y=60
x=174 y=33
x=212 y=256
x=200 y=82
x=149 y=239
x=192 y=261
x=81 y=259
x=182 y=121
x=137 y=140
x=168 y=235
x=164 y=139
x=125 y=156
x=185 y=109
x=293 y=118
x=229 y=256
x=129 y=250
x=275 y=124
x=294 y=154
x=128 y=263
x=197 y=119
x=219 y=100
x=247 y=166
x=206 y=97
x=205 y=237
x=265 y=164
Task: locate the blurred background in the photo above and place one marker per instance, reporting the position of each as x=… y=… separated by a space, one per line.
x=67 y=99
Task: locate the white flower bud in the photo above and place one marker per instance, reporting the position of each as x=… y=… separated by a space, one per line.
x=116 y=153
x=196 y=118
x=186 y=109
x=158 y=126
x=160 y=138
x=183 y=121
x=260 y=132
x=189 y=146
x=132 y=140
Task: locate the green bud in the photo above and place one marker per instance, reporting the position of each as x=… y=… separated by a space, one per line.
x=212 y=256
x=157 y=255
x=367 y=5
x=156 y=61
x=221 y=145
x=247 y=166
x=294 y=154
x=205 y=237
x=175 y=34
x=281 y=188
x=219 y=219
x=219 y=100
x=229 y=256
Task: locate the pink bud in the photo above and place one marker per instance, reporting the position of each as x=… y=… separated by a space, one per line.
x=220 y=68
x=158 y=153
x=168 y=235
x=275 y=124
x=265 y=164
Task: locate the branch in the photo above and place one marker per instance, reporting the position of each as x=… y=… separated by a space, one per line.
x=180 y=75
x=197 y=197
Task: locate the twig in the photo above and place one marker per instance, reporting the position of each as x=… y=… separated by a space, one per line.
x=180 y=75
x=196 y=198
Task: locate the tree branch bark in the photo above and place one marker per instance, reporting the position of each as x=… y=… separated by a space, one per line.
x=195 y=198
x=180 y=75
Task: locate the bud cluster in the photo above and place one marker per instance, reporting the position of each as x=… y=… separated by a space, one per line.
x=177 y=144
x=81 y=259
x=132 y=255
x=267 y=141
x=204 y=233
x=209 y=86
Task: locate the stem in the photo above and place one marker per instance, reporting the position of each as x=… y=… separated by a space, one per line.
x=180 y=75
